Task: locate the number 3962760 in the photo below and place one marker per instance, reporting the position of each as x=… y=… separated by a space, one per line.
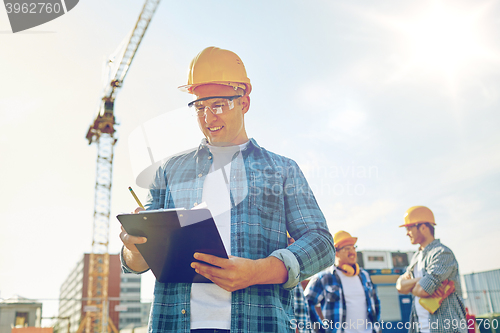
x=33 y=8
x=463 y=324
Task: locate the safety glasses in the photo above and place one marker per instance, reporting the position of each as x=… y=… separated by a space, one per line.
x=216 y=104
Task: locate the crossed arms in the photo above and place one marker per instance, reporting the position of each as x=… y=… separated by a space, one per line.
x=406 y=285
x=440 y=267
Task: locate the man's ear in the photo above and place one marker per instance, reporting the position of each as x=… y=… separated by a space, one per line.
x=245 y=103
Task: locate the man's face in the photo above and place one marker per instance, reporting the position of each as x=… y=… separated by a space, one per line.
x=415 y=234
x=224 y=129
x=347 y=255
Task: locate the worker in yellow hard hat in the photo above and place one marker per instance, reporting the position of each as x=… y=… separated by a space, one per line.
x=255 y=196
x=345 y=292
x=432 y=277
x=219 y=81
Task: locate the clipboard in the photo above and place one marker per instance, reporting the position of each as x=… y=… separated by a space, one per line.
x=173 y=237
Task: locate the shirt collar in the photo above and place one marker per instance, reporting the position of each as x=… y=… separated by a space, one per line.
x=203 y=147
x=431 y=245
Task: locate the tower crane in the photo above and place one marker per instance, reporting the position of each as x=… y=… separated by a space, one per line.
x=102 y=132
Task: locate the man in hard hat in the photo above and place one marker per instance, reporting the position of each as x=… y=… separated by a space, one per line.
x=345 y=292
x=432 y=278
x=255 y=196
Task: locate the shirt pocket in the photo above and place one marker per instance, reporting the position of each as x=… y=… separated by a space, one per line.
x=266 y=191
x=332 y=294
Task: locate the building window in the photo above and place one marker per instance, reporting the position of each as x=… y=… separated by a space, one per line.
x=21 y=319
x=134 y=310
x=132 y=320
x=375 y=258
x=131 y=290
x=131 y=279
x=399 y=259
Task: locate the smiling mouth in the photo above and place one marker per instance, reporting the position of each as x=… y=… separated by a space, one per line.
x=215 y=129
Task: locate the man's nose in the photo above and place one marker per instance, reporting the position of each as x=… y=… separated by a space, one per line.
x=209 y=115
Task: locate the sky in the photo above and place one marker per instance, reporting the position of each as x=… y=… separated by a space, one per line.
x=383 y=104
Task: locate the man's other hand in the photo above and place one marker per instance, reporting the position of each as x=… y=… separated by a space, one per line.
x=238 y=273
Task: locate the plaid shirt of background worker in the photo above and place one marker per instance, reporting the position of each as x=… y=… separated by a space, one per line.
x=301 y=309
x=439 y=264
x=325 y=288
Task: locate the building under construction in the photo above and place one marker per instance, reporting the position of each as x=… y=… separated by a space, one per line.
x=124 y=297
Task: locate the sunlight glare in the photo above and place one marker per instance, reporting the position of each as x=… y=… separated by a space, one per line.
x=444 y=39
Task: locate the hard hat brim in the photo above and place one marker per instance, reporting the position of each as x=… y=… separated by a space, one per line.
x=346 y=241
x=413 y=223
x=247 y=87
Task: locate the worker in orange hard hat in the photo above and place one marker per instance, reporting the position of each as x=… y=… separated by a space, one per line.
x=254 y=196
x=432 y=277
x=345 y=292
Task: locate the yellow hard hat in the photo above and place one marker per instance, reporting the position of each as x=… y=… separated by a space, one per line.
x=418 y=214
x=343 y=238
x=217 y=66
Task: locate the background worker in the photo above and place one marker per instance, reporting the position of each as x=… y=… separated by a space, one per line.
x=255 y=196
x=430 y=266
x=345 y=292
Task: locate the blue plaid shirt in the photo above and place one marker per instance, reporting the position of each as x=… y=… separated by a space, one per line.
x=301 y=310
x=325 y=289
x=269 y=196
x=439 y=263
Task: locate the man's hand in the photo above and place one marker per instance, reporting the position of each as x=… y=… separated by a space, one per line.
x=238 y=273
x=129 y=241
x=131 y=255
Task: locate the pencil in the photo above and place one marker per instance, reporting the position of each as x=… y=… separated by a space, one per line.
x=135 y=197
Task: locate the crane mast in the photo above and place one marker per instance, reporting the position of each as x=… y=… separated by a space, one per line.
x=102 y=133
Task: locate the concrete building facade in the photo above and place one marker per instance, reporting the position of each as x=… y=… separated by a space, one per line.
x=124 y=295
x=19 y=312
x=130 y=301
